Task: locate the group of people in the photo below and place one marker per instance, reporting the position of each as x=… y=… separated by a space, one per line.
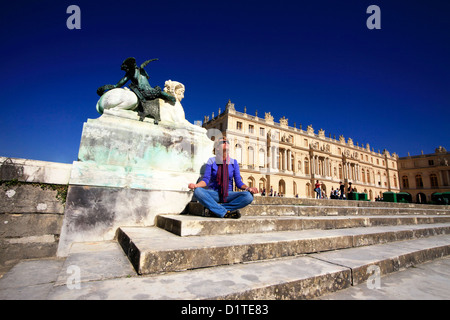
x=335 y=193
x=272 y=193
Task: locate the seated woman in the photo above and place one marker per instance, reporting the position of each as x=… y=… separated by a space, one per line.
x=218 y=177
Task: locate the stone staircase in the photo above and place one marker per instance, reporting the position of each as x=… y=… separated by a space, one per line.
x=285 y=248
x=281 y=248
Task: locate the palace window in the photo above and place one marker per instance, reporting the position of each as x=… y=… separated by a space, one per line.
x=251 y=157
x=405 y=182
x=261 y=132
x=433 y=180
x=239 y=126
x=251 y=128
x=419 y=182
x=306 y=162
x=262 y=158
x=239 y=153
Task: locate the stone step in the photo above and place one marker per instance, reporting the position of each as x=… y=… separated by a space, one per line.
x=426 y=281
x=188 y=225
x=301 y=277
x=95 y=261
x=389 y=257
x=338 y=203
x=303 y=210
x=153 y=250
x=195 y=208
x=87 y=262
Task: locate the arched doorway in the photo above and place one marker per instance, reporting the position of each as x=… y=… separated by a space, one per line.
x=421 y=198
x=282 y=187
x=262 y=184
x=251 y=182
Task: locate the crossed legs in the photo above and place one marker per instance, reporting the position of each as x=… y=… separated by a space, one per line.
x=210 y=199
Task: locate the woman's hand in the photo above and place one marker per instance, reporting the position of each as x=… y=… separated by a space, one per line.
x=192 y=186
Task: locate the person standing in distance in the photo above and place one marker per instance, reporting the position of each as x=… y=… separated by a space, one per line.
x=317 y=190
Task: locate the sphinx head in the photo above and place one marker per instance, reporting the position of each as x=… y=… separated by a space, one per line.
x=175 y=88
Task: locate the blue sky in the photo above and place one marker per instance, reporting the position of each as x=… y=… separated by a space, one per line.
x=314 y=62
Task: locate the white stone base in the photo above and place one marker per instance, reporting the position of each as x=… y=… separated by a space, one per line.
x=128 y=172
x=95 y=213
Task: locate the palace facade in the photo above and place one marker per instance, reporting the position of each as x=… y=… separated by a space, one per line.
x=424 y=175
x=290 y=160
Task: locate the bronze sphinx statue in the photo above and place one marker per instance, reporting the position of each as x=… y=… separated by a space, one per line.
x=141 y=87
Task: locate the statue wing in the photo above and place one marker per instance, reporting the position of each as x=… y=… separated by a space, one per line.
x=143 y=65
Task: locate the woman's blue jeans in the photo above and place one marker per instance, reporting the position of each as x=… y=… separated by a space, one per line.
x=318 y=193
x=210 y=199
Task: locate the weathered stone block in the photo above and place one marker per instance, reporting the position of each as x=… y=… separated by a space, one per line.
x=34 y=171
x=129 y=172
x=14 y=250
x=30 y=222
x=94 y=213
x=27 y=198
x=29 y=225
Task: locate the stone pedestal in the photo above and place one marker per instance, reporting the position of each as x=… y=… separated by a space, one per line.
x=128 y=172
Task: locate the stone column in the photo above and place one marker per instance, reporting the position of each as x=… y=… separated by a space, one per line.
x=316 y=163
x=272 y=152
x=289 y=160
x=313 y=165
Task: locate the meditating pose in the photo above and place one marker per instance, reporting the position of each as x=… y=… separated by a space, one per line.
x=219 y=198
